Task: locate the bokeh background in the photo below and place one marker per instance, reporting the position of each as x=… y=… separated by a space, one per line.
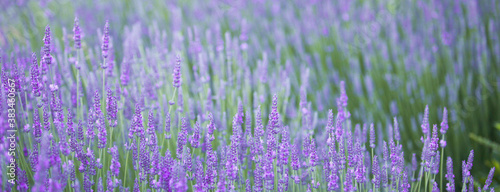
x=395 y=56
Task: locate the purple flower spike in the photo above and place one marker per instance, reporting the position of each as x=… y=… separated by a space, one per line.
x=470 y=159
x=396 y=129
x=47 y=59
x=488 y=180
x=177 y=73
x=115 y=161
x=167 y=126
x=372 y=136
x=450 y=186
x=376 y=172
x=211 y=125
x=111 y=108
x=77 y=34
x=343 y=95
x=196 y=135
x=105 y=41
x=102 y=135
x=435 y=187
x=35 y=76
x=259 y=128
x=425 y=121
x=444 y=123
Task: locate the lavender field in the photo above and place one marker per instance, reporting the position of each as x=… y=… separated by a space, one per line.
x=353 y=95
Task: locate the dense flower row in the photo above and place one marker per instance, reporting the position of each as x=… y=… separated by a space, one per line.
x=161 y=119
x=336 y=157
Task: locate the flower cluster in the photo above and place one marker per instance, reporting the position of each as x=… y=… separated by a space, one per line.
x=259 y=101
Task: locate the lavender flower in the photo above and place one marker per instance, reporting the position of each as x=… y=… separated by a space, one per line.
x=35 y=76
x=77 y=35
x=177 y=73
x=196 y=135
x=488 y=180
x=115 y=161
x=47 y=59
x=450 y=186
x=167 y=126
x=376 y=173
x=435 y=187
x=182 y=137
x=105 y=41
x=111 y=108
x=372 y=136
x=343 y=95
x=425 y=121
x=396 y=129
x=444 y=123
x=46 y=116
x=259 y=128
x=211 y=126
x=102 y=135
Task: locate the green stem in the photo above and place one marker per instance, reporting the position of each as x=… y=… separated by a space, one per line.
x=126 y=170
x=441 y=169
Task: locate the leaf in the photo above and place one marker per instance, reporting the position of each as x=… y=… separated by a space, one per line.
x=484 y=141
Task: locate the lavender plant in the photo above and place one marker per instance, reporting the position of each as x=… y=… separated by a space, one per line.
x=250 y=96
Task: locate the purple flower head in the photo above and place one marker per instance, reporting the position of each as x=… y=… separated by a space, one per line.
x=80 y=134
x=144 y=155
x=47 y=59
x=450 y=186
x=433 y=145
x=444 y=123
x=274 y=116
x=167 y=126
x=471 y=184
x=102 y=135
x=77 y=34
x=115 y=160
x=425 y=121
x=372 y=136
x=97 y=103
x=470 y=159
x=435 y=187
x=177 y=73
x=211 y=124
x=259 y=128
x=138 y=126
x=376 y=172
x=442 y=143
x=111 y=108
x=435 y=164
x=36 y=125
x=465 y=172
x=182 y=137
x=414 y=162
x=90 y=128
x=330 y=124
x=151 y=123
x=488 y=180
x=46 y=117
x=396 y=129
x=105 y=41
x=295 y=158
x=35 y=76
x=196 y=135
x=22 y=181
x=343 y=95
x=338 y=127
x=348 y=181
